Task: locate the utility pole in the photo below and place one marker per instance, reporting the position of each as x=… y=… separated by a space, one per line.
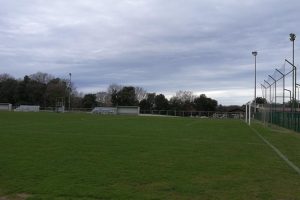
x=292 y=39
x=254 y=53
x=70 y=92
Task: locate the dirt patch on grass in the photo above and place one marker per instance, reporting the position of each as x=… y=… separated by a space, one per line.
x=21 y=196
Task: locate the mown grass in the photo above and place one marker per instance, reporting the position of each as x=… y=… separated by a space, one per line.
x=83 y=156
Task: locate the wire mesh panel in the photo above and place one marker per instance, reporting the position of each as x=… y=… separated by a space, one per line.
x=280 y=92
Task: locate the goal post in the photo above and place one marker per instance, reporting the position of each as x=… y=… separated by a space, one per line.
x=60 y=104
x=5 y=107
x=248 y=113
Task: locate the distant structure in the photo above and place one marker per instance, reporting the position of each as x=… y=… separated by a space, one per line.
x=5 y=107
x=119 y=110
x=60 y=104
x=27 y=108
x=105 y=110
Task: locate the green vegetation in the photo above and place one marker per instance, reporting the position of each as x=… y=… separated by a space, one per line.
x=82 y=156
x=43 y=89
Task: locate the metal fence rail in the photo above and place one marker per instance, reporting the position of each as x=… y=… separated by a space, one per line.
x=201 y=114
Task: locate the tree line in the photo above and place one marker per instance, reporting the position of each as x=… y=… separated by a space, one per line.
x=117 y=95
x=36 y=89
x=43 y=89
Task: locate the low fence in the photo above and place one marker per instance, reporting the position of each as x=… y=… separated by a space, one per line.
x=201 y=114
x=289 y=120
x=53 y=109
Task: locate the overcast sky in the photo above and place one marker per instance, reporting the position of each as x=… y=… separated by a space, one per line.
x=164 y=46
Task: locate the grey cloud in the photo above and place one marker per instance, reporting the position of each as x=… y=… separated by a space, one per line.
x=164 y=46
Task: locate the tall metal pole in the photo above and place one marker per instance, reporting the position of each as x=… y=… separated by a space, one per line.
x=295 y=70
x=254 y=53
x=292 y=39
x=246 y=116
x=249 y=112
x=70 y=92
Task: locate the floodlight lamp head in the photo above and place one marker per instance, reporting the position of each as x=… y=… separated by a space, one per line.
x=254 y=53
x=292 y=36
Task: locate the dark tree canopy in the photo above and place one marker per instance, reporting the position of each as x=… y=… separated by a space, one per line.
x=8 y=90
x=89 y=101
x=125 y=97
x=260 y=100
x=36 y=89
x=161 y=103
x=148 y=103
x=204 y=103
x=43 y=89
x=55 y=88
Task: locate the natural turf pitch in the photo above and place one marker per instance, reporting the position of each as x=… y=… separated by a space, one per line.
x=84 y=156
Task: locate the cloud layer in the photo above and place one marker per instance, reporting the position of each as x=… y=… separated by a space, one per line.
x=163 y=46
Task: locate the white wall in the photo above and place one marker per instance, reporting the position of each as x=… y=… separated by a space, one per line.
x=28 y=108
x=128 y=110
x=5 y=106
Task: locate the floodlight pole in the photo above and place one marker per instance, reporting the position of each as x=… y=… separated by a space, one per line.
x=254 y=53
x=292 y=39
x=70 y=74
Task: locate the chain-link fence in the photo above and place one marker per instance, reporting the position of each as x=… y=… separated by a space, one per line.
x=281 y=92
x=200 y=114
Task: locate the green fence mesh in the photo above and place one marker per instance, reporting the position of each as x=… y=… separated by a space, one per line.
x=289 y=120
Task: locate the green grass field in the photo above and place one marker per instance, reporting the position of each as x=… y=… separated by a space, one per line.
x=84 y=156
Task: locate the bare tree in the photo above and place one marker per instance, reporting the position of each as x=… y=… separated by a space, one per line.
x=4 y=77
x=114 y=88
x=185 y=96
x=41 y=77
x=104 y=98
x=140 y=93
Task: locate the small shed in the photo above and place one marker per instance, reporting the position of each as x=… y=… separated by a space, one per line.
x=128 y=110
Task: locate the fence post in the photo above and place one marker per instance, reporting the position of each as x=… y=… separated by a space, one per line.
x=246 y=116
x=249 y=113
